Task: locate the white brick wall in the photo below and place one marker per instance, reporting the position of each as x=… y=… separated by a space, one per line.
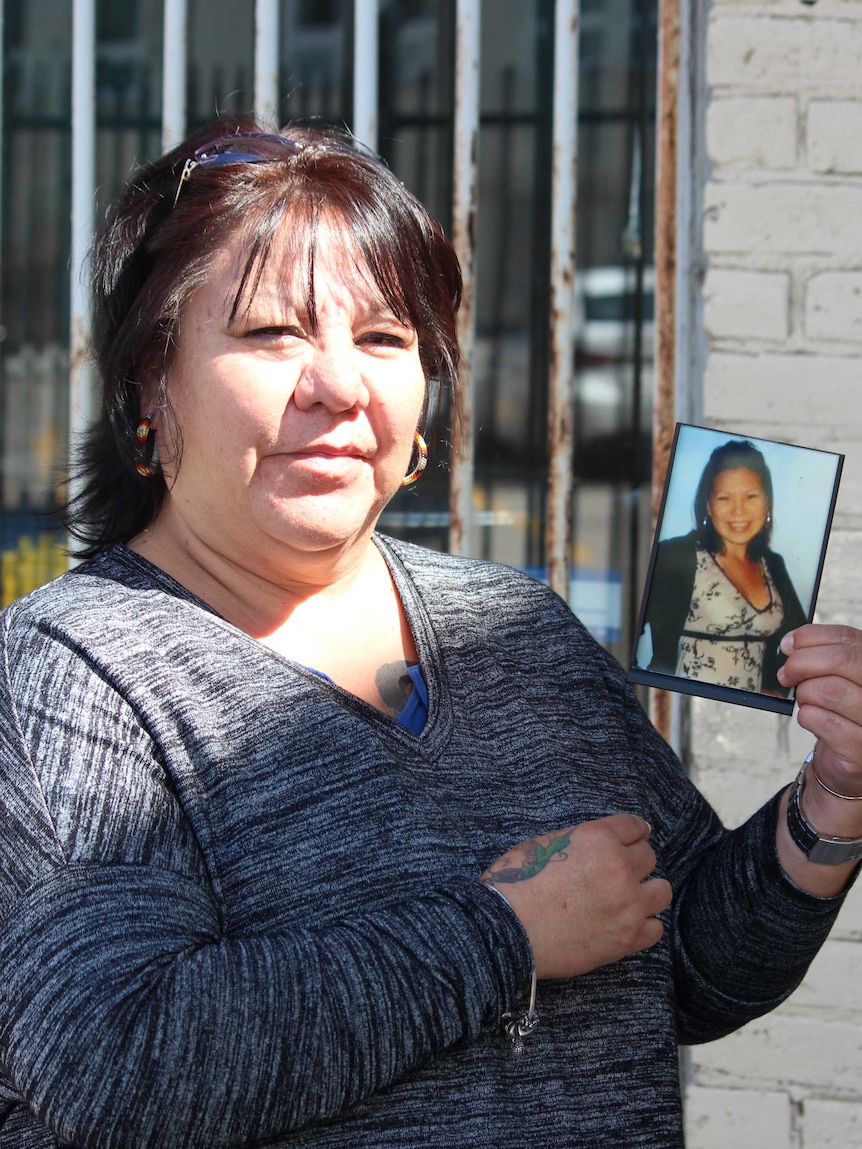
x=833 y=306
x=834 y=135
x=781 y=205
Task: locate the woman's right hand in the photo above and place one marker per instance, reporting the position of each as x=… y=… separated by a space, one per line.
x=584 y=894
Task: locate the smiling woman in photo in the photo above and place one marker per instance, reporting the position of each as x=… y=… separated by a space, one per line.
x=721 y=599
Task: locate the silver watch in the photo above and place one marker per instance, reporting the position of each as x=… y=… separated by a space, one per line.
x=817 y=847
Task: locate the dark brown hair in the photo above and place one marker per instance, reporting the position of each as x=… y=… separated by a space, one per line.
x=158 y=245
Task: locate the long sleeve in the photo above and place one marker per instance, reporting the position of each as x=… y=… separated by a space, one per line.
x=136 y=1009
x=746 y=933
x=742 y=934
x=130 y=1019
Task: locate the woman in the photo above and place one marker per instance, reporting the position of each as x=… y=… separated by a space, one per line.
x=721 y=600
x=266 y=774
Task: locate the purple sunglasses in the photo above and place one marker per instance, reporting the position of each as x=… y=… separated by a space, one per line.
x=231 y=150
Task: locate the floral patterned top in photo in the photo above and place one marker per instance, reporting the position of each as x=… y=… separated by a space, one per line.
x=724 y=637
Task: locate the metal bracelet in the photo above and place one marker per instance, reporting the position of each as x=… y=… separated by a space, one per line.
x=517 y=1026
x=828 y=789
x=815 y=846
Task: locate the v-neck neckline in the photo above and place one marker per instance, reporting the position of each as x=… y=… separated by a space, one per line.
x=438 y=724
x=766 y=582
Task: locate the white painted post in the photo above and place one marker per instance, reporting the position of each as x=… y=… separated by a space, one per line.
x=366 y=61
x=465 y=195
x=266 y=46
x=174 y=73
x=81 y=398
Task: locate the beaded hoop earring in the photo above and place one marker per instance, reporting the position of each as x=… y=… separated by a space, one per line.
x=145 y=438
x=421 y=460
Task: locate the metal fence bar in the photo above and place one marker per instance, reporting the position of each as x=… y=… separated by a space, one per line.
x=561 y=381
x=366 y=63
x=465 y=193
x=266 y=44
x=667 y=148
x=174 y=72
x=4 y=144
x=81 y=398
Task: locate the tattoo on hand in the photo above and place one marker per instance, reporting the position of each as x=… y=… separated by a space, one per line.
x=536 y=857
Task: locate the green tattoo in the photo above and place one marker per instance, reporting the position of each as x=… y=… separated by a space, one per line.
x=536 y=857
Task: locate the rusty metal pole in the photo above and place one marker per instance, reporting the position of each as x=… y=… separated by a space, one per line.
x=465 y=194
x=561 y=382
x=665 y=276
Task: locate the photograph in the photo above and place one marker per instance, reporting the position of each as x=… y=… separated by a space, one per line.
x=735 y=565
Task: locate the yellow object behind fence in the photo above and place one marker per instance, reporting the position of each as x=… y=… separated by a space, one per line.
x=33 y=562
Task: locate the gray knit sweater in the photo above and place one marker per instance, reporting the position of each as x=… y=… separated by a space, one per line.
x=238 y=906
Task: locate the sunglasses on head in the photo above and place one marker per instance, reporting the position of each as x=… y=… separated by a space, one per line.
x=233 y=149
x=237 y=149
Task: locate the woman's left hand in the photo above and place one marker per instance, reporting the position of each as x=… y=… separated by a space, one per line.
x=824 y=665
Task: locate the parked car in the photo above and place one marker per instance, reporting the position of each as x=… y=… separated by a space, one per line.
x=606 y=313
x=613 y=363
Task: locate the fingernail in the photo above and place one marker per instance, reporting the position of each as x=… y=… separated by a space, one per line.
x=787 y=643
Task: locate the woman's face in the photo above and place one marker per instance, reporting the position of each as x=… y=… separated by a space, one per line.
x=290 y=439
x=738 y=505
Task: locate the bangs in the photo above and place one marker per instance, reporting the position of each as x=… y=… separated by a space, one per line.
x=290 y=237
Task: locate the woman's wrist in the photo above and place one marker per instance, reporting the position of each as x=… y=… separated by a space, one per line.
x=821 y=881
x=819 y=835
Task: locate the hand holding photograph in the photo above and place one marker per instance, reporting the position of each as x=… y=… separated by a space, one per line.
x=735 y=565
